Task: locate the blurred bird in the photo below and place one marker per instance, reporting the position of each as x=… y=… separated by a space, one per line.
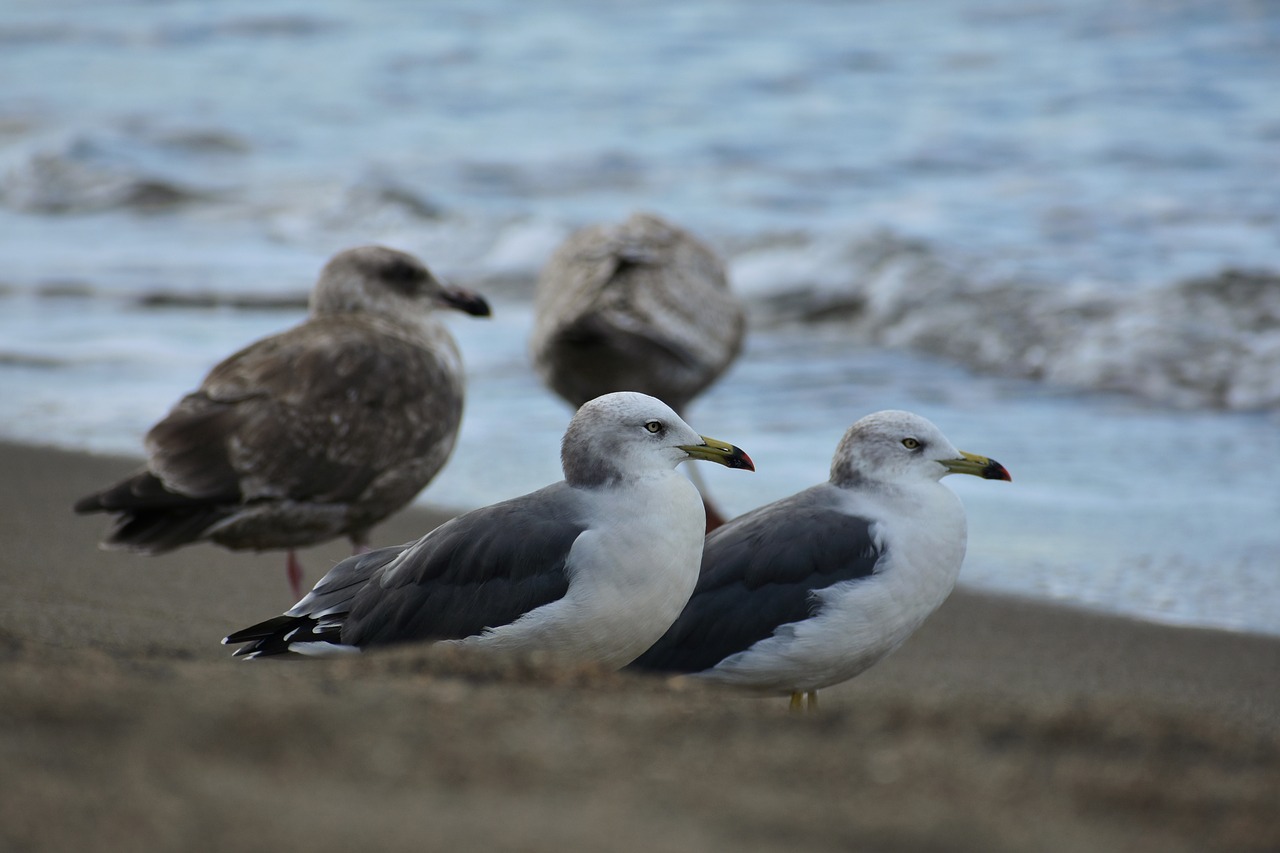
x=593 y=568
x=321 y=431
x=813 y=589
x=642 y=306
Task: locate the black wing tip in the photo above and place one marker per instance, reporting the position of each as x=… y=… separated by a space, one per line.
x=263 y=630
x=148 y=518
x=278 y=635
x=157 y=533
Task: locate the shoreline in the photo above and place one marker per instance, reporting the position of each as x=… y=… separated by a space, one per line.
x=417 y=519
x=1003 y=724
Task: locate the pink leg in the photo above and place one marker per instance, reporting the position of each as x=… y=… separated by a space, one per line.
x=293 y=570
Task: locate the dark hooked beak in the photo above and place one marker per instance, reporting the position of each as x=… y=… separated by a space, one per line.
x=978 y=466
x=466 y=301
x=714 y=450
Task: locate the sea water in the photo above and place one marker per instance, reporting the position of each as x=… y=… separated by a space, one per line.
x=1052 y=228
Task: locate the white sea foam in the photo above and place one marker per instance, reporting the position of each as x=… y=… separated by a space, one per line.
x=1211 y=342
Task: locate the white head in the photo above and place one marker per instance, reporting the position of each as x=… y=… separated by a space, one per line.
x=897 y=447
x=627 y=435
x=388 y=283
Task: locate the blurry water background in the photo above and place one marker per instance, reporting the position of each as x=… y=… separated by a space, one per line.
x=1052 y=227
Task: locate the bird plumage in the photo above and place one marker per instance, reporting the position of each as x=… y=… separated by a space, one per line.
x=320 y=431
x=638 y=306
x=594 y=567
x=815 y=588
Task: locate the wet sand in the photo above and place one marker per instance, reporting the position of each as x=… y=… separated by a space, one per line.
x=1003 y=725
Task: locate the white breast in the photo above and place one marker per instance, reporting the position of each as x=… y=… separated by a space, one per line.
x=631 y=574
x=859 y=622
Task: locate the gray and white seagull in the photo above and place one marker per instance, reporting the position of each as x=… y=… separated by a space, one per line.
x=320 y=431
x=593 y=568
x=811 y=590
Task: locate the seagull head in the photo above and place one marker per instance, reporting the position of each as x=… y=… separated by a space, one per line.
x=627 y=435
x=895 y=446
x=389 y=283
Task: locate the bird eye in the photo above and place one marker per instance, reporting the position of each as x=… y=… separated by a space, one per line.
x=910 y=443
x=653 y=426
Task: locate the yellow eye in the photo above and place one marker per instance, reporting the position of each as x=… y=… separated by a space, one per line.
x=910 y=443
x=654 y=426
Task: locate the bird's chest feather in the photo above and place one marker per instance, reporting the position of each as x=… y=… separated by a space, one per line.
x=656 y=537
x=642 y=568
x=923 y=533
x=861 y=621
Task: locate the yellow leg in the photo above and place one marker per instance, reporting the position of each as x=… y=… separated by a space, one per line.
x=804 y=701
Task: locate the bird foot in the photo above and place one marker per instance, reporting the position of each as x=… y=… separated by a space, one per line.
x=798 y=700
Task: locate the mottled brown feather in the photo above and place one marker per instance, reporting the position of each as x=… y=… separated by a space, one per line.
x=320 y=431
x=641 y=306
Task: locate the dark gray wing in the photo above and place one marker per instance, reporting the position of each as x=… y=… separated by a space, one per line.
x=759 y=572
x=318 y=617
x=481 y=570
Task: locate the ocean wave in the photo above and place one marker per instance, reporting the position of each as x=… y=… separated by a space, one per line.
x=294 y=26
x=27 y=360
x=376 y=203
x=294 y=302
x=94 y=172
x=131 y=31
x=1208 y=342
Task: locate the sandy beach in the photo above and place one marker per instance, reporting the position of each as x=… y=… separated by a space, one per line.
x=1003 y=725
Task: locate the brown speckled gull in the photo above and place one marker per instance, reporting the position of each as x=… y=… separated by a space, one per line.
x=321 y=431
x=641 y=306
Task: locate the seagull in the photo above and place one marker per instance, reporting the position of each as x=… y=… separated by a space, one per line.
x=641 y=306
x=811 y=590
x=320 y=431
x=593 y=568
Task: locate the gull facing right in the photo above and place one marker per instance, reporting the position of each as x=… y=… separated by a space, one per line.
x=320 y=431
x=812 y=590
x=593 y=568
